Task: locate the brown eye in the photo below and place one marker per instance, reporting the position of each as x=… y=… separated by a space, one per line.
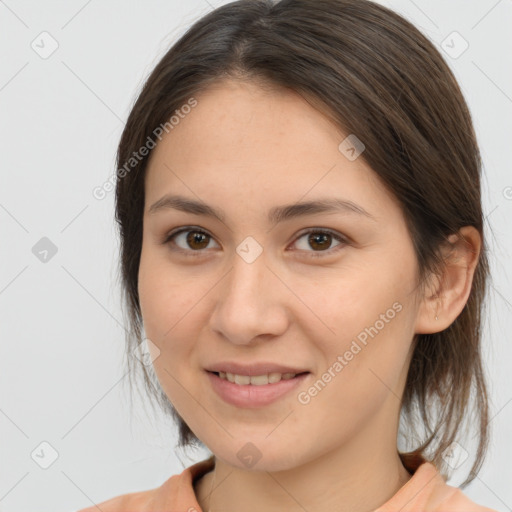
x=196 y=240
x=189 y=240
x=193 y=242
x=320 y=241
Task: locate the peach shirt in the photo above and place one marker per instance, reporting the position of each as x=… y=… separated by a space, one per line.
x=426 y=491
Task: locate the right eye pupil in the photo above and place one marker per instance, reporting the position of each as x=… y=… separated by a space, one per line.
x=196 y=237
x=320 y=240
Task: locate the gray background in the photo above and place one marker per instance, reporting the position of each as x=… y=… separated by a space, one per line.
x=61 y=326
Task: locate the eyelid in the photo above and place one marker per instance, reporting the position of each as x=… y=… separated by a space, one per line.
x=343 y=239
x=172 y=234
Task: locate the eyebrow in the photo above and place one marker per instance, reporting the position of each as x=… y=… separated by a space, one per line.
x=275 y=215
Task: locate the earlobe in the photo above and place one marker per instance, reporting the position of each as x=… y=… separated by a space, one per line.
x=446 y=297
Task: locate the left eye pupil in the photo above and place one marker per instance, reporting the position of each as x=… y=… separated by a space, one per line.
x=313 y=239
x=196 y=237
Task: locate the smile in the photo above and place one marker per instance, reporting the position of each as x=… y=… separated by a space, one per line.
x=255 y=380
x=255 y=390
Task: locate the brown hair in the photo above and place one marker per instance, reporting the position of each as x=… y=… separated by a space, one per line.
x=379 y=78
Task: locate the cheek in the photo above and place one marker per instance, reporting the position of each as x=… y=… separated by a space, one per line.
x=172 y=304
x=370 y=314
x=363 y=370
x=164 y=306
x=164 y=300
x=342 y=304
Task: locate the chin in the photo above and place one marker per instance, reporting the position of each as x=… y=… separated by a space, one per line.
x=259 y=454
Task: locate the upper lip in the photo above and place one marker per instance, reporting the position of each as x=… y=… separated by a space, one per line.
x=253 y=369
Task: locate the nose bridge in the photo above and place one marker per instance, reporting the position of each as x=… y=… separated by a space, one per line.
x=245 y=288
x=245 y=308
x=249 y=269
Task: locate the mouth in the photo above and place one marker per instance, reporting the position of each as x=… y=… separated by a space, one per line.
x=254 y=391
x=257 y=380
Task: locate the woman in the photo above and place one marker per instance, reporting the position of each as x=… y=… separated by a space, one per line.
x=298 y=197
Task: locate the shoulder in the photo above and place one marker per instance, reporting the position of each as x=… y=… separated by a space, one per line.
x=176 y=493
x=162 y=498
x=442 y=497
x=131 y=502
x=457 y=501
x=428 y=491
x=447 y=498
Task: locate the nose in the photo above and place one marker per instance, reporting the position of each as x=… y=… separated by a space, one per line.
x=251 y=303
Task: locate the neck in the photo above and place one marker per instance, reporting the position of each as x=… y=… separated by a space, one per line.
x=345 y=480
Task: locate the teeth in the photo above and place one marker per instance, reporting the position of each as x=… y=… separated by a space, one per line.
x=256 y=380
x=274 y=377
x=242 y=379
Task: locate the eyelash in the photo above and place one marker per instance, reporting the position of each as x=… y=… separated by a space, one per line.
x=313 y=254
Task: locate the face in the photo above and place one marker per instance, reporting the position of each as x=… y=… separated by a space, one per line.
x=328 y=294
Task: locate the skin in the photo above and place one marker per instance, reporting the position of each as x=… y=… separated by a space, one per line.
x=245 y=150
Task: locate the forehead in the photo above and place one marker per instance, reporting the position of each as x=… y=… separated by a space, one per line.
x=253 y=121
x=245 y=142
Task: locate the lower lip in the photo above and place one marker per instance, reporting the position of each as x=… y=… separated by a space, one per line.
x=250 y=395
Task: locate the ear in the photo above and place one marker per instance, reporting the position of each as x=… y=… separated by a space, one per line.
x=447 y=294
